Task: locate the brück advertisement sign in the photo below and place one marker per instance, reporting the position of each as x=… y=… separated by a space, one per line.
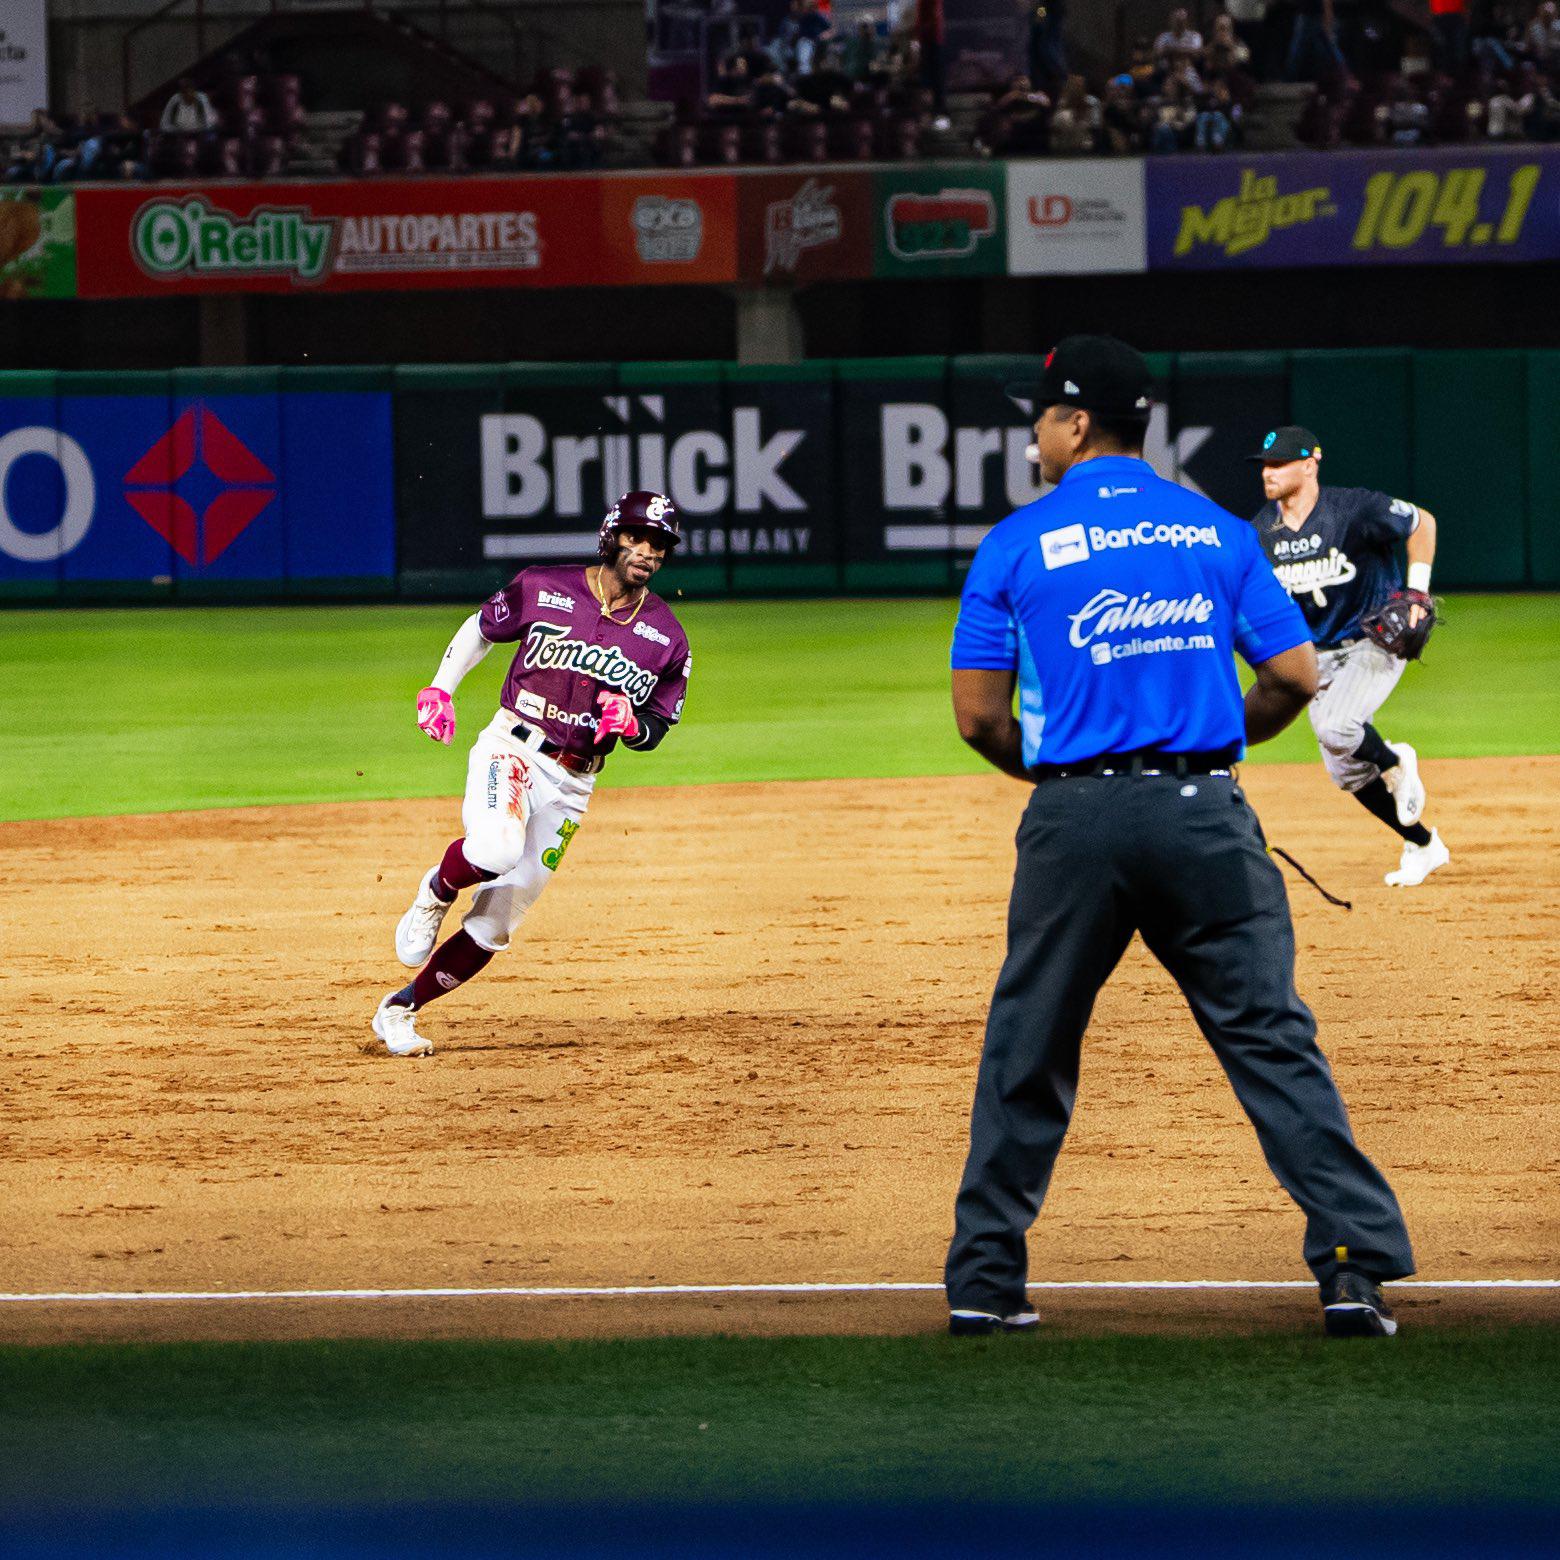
x=1068 y=216
x=24 y=60
x=1452 y=206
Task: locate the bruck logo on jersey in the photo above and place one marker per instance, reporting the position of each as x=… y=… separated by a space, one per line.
x=549 y=647
x=555 y=599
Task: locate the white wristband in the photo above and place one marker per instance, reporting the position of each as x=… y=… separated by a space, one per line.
x=1419 y=577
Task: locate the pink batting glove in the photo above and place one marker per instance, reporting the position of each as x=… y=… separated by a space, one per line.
x=436 y=714
x=617 y=717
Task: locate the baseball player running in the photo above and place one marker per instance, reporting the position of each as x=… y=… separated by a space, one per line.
x=600 y=660
x=1332 y=550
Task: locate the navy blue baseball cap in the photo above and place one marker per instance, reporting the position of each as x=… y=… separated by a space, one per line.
x=1290 y=442
x=1096 y=373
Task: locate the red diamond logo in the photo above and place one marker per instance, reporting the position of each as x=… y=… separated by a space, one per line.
x=202 y=448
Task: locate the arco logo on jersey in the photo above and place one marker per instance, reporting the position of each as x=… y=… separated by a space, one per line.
x=550 y=647
x=1314 y=577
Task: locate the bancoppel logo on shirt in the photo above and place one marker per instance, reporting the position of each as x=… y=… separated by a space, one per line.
x=1060 y=547
x=554 y=599
x=1147 y=534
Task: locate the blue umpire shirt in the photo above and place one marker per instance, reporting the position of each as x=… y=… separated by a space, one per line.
x=1118 y=598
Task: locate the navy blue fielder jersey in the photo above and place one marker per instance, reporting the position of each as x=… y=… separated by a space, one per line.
x=1340 y=565
x=1119 y=600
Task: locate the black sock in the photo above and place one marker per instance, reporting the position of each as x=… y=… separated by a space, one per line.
x=1377 y=799
x=1374 y=750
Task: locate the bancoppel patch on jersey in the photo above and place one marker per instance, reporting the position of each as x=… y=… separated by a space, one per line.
x=532 y=704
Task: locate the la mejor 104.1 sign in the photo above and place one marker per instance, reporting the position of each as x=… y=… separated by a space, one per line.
x=1347 y=208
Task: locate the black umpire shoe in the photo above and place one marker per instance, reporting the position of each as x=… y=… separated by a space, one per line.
x=983 y=1324
x=1352 y=1307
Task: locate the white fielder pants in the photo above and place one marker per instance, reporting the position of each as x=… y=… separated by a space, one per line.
x=520 y=811
x=1353 y=683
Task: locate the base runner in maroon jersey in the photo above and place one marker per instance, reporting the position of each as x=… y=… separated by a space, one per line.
x=600 y=660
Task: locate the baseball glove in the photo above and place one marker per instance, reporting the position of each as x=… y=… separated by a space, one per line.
x=1392 y=627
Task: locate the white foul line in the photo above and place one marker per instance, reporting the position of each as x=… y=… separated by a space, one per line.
x=565 y=1292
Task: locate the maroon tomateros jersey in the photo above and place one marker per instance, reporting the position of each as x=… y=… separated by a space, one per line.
x=569 y=650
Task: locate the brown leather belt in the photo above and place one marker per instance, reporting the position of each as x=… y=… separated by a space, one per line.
x=577 y=763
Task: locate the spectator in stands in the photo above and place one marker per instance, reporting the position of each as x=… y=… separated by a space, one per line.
x=1188 y=75
x=517 y=143
x=1314 y=54
x=1180 y=40
x=931 y=24
x=190 y=112
x=1121 y=116
x=1541 y=42
x=1174 y=118
x=1497 y=39
x=1449 y=18
x=1077 y=120
x=579 y=137
x=1143 y=69
x=1543 y=119
x=859 y=54
x=1047 y=42
x=827 y=88
x=1405 y=116
x=124 y=153
x=1506 y=115
x=760 y=61
x=1226 y=54
x=732 y=93
x=1217 y=117
x=1018 y=122
x=813 y=29
x=773 y=95
x=33 y=160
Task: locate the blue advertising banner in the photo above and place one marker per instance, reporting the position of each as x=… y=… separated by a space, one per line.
x=164 y=489
x=1454 y=205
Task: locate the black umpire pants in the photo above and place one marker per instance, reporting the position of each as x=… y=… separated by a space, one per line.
x=1183 y=861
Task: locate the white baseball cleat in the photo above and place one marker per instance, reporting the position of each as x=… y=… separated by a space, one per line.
x=1402 y=780
x=1419 y=861
x=418 y=929
x=396 y=1025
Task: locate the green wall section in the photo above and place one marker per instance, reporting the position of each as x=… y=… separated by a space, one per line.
x=1471 y=435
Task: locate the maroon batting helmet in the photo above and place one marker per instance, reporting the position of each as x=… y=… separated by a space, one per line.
x=649 y=511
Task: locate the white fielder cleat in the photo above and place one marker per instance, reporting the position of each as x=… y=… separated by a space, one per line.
x=1402 y=780
x=1419 y=861
x=418 y=929
x=396 y=1025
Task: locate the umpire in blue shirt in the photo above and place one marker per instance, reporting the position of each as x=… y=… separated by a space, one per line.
x=1114 y=605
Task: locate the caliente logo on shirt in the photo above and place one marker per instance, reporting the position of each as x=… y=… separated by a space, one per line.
x=549 y=647
x=1113 y=612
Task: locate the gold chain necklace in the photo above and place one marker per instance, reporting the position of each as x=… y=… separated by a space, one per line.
x=601 y=600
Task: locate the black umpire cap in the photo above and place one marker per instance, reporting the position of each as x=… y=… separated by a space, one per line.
x=1289 y=443
x=1096 y=373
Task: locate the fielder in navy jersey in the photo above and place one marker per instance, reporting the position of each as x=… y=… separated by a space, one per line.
x=1333 y=550
x=600 y=660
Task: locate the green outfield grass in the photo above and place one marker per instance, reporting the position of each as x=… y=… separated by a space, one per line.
x=148 y=710
x=1432 y=1418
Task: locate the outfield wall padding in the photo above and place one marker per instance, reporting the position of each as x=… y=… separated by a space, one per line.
x=857 y=475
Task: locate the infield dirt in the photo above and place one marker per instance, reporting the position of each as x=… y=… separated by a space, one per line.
x=733 y=1043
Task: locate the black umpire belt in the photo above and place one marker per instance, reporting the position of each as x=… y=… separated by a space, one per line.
x=1133 y=765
